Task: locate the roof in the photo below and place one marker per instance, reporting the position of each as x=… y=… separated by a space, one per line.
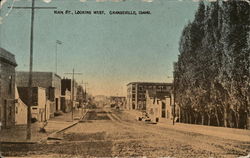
x=151 y=83
x=39 y=72
x=7 y=57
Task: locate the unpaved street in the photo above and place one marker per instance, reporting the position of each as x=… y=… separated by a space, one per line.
x=111 y=133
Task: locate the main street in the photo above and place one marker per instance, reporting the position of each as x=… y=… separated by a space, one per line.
x=110 y=133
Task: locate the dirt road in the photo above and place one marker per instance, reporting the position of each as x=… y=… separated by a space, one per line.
x=109 y=133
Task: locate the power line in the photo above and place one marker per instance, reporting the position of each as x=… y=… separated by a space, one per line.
x=28 y=129
x=72 y=90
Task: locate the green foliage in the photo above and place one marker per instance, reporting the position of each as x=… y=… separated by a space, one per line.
x=212 y=75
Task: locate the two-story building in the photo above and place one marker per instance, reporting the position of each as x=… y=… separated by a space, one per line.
x=7 y=88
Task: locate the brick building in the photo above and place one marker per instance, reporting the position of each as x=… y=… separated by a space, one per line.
x=7 y=88
x=48 y=80
x=136 y=93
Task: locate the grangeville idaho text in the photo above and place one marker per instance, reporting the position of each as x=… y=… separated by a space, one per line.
x=89 y=12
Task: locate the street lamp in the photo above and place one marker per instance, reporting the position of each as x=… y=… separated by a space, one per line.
x=57 y=42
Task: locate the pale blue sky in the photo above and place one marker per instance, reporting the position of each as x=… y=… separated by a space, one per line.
x=109 y=50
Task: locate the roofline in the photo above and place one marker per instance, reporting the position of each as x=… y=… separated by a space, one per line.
x=8 y=57
x=164 y=83
x=39 y=72
x=32 y=87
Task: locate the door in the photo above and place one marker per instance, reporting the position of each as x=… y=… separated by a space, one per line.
x=9 y=113
x=57 y=104
x=163 y=110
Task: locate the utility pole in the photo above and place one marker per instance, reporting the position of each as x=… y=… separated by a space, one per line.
x=174 y=104
x=57 y=42
x=85 y=87
x=73 y=91
x=28 y=129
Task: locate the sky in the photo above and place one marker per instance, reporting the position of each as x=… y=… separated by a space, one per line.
x=108 y=50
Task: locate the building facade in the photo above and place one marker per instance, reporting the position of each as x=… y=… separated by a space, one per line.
x=7 y=88
x=48 y=80
x=136 y=93
x=39 y=108
x=66 y=93
x=159 y=105
x=21 y=110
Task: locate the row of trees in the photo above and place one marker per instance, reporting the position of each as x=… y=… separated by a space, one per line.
x=212 y=74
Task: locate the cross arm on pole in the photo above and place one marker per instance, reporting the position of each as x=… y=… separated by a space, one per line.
x=33 y=7
x=73 y=85
x=76 y=73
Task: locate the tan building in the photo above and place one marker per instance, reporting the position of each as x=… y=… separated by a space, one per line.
x=48 y=80
x=159 y=105
x=7 y=88
x=136 y=93
x=20 y=111
x=39 y=109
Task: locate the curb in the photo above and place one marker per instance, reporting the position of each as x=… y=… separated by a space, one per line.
x=7 y=142
x=45 y=138
x=59 y=131
x=63 y=129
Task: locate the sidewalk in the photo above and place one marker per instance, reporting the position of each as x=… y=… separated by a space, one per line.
x=17 y=134
x=221 y=132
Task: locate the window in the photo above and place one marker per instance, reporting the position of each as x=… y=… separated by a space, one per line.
x=133 y=96
x=10 y=84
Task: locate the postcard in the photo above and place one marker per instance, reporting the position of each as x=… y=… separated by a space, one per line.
x=125 y=78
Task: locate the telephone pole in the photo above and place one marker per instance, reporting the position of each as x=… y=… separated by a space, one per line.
x=28 y=134
x=73 y=91
x=85 y=91
x=28 y=129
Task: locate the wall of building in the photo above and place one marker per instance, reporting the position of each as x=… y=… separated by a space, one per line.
x=131 y=96
x=21 y=110
x=48 y=80
x=39 y=79
x=56 y=82
x=66 y=101
x=7 y=89
x=38 y=101
x=160 y=109
x=21 y=113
